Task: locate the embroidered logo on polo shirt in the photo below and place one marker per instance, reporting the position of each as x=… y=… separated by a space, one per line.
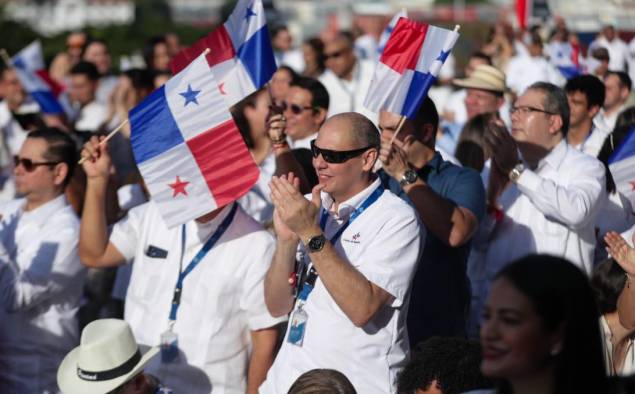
x=354 y=239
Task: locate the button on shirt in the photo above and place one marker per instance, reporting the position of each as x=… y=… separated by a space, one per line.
x=222 y=298
x=551 y=210
x=440 y=290
x=41 y=281
x=383 y=244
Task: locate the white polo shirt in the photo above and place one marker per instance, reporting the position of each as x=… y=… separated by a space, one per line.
x=221 y=302
x=41 y=283
x=383 y=244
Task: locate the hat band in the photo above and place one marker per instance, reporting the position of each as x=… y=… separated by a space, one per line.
x=111 y=373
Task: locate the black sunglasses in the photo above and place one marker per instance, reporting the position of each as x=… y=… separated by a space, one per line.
x=294 y=108
x=335 y=55
x=337 y=156
x=29 y=165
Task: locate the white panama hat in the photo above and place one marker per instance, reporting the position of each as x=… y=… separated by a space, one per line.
x=107 y=357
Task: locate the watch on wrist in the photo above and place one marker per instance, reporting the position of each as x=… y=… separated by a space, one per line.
x=409 y=177
x=515 y=173
x=316 y=243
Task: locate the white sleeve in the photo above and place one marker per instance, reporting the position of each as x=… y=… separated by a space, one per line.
x=126 y=232
x=391 y=259
x=53 y=267
x=253 y=295
x=572 y=204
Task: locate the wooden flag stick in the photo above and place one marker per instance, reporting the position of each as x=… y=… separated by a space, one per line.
x=109 y=136
x=5 y=58
x=399 y=126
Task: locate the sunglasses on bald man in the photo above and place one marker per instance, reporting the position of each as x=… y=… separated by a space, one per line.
x=337 y=156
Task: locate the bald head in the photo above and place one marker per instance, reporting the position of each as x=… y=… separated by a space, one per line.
x=361 y=132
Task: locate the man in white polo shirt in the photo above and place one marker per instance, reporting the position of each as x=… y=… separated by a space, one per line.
x=210 y=317
x=358 y=248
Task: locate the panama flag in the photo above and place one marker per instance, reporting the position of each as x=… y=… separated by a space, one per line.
x=188 y=148
x=385 y=35
x=30 y=69
x=240 y=56
x=622 y=166
x=408 y=67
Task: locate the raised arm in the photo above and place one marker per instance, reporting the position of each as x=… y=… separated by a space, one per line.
x=94 y=248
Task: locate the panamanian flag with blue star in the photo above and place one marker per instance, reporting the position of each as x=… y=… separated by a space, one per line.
x=408 y=67
x=188 y=148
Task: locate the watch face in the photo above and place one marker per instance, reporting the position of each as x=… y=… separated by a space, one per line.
x=316 y=243
x=411 y=176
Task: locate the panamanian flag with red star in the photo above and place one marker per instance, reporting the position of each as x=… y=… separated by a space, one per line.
x=622 y=166
x=188 y=148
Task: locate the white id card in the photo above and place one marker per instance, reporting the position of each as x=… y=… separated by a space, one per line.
x=298 y=325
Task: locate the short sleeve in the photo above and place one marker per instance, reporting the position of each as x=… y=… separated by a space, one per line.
x=261 y=249
x=125 y=233
x=467 y=191
x=391 y=258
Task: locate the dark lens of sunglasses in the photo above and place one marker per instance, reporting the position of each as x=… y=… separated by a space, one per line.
x=27 y=164
x=333 y=55
x=296 y=109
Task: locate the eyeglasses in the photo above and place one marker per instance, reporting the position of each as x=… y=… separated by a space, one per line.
x=335 y=54
x=29 y=165
x=337 y=156
x=294 y=108
x=526 y=109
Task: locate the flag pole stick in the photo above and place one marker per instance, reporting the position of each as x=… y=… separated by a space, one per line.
x=398 y=129
x=108 y=137
x=5 y=58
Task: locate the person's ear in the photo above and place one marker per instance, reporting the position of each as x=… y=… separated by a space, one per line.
x=370 y=157
x=593 y=110
x=555 y=124
x=319 y=115
x=60 y=173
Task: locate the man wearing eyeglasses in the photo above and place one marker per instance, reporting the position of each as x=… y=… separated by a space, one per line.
x=357 y=246
x=450 y=201
x=550 y=195
x=41 y=278
x=347 y=78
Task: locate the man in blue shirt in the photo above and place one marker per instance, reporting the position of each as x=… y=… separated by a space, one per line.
x=450 y=201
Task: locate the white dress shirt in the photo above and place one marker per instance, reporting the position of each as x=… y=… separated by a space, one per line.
x=592 y=145
x=550 y=210
x=523 y=71
x=91 y=117
x=302 y=143
x=41 y=282
x=348 y=96
x=607 y=122
x=257 y=202
x=618 y=52
x=221 y=302
x=383 y=244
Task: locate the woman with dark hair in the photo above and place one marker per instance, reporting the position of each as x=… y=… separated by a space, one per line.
x=540 y=331
x=281 y=82
x=156 y=54
x=313 y=52
x=607 y=281
x=471 y=149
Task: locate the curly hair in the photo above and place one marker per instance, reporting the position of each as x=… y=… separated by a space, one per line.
x=452 y=363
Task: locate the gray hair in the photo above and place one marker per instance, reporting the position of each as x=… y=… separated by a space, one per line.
x=555 y=102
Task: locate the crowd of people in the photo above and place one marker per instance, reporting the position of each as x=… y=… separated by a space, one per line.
x=481 y=246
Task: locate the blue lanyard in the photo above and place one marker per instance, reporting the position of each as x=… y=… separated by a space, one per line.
x=176 y=298
x=367 y=203
x=312 y=274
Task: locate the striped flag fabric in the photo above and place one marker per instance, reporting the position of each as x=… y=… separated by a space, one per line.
x=241 y=56
x=31 y=71
x=408 y=67
x=188 y=148
x=622 y=166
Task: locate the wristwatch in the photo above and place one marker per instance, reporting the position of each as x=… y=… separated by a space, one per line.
x=316 y=243
x=410 y=176
x=515 y=173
